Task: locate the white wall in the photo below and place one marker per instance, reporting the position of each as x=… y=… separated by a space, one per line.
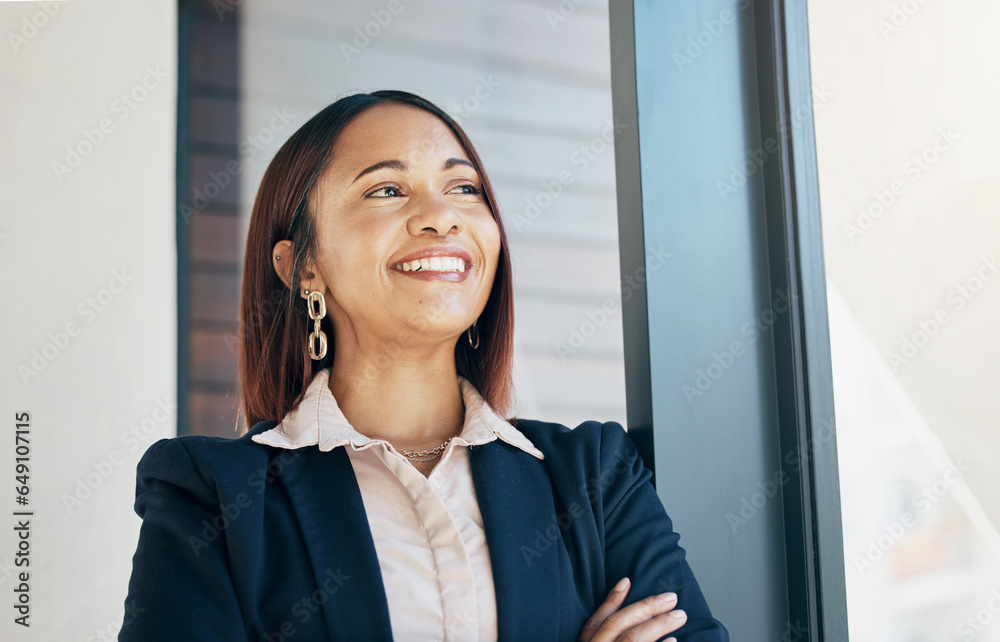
x=63 y=240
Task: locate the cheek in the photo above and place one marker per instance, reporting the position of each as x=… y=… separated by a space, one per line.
x=491 y=240
x=355 y=260
x=345 y=247
x=490 y=244
x=338 y=262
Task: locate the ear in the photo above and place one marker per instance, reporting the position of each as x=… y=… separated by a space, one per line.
x=282 y=257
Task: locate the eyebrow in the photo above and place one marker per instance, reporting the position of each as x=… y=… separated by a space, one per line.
x=451 y=162
x=401 y=166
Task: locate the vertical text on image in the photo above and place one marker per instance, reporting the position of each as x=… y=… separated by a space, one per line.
x=22 y=516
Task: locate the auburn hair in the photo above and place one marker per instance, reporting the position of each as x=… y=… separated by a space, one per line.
x=274 y=364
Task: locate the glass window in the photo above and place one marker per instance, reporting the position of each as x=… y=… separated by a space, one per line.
x=909 y=170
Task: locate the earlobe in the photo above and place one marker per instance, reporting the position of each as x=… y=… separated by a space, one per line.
x=308 y=281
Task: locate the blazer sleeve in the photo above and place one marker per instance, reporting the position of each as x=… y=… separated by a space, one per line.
x=180 y=588
x=640 y=542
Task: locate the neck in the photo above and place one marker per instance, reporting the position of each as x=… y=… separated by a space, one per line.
x=410 y=398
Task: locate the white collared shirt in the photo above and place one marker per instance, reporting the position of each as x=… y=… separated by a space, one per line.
x=428 y=531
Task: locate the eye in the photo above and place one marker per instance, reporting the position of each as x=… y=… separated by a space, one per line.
x=388 y=191
x=467 y=189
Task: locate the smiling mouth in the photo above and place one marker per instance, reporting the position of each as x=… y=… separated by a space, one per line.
x=432 y=264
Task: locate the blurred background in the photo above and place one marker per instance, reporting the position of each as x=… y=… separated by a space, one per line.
x=909 y=162
x=134 y=136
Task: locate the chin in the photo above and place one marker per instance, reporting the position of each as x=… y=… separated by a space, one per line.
x=444 y=311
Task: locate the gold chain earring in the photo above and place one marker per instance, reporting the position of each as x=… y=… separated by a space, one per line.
x=317 y=310
x=473 y=331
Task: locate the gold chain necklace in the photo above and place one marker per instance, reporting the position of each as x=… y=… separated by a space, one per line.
x=425 y=455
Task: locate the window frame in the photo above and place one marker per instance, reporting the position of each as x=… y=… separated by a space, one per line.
x=771 y=417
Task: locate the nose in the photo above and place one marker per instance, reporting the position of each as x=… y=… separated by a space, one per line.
x=433 y=213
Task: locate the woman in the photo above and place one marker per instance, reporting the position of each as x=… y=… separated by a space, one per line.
x=380 y=493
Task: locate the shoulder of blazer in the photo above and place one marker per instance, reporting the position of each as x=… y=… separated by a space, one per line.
x=590 y=441
x=204 y=466
x=591 y=457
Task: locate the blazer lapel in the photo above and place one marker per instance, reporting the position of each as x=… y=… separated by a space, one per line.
x=327 y=502
x=515 y=500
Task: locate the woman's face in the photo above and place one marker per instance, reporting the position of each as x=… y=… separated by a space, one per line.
x=401 y=187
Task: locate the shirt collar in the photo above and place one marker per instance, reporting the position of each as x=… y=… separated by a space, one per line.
x=318 y=421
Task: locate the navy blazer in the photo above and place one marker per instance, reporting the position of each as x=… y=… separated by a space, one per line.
x=243 y=541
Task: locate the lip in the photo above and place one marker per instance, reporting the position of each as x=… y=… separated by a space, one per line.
x=438 y=250
x=436 y=275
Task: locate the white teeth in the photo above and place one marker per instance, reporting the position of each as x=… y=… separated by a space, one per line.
x=435 y=263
